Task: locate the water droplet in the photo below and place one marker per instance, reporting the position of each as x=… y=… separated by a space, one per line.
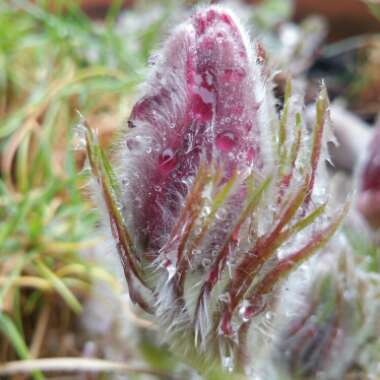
x=206 y=211
x=225 y=298
x=221 y=214
x=220 y=37
x=244 y=312
x=225 y=141
x=268 y=315
x=167 y=160
x=228 y=363
x=209 y=78
x=171 y=269
x=206 y=263
x=240 y=156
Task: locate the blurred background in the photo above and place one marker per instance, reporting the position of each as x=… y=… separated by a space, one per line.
x=60 y=290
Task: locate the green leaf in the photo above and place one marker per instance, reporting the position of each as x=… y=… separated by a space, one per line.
x=12 y=224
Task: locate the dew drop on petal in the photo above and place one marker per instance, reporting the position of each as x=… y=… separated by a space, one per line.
x=240 y=156
x=124 y=181
x=171 y=269
x=225 y=141
x=167 y=160
x=209 y=78
x=206 y=262
x=244 y=311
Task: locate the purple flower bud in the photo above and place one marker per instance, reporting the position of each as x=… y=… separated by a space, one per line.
x=199 y=102
x=369 y=191
x=334 y=324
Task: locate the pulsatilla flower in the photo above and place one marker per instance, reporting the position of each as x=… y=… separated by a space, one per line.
x=214 y=198
x=369 y=183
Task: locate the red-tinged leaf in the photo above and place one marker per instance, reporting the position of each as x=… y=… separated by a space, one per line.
x=301 y=224
x=322 y=108
x=291 y=262
x=296 y=143
x=194 y=206
x=220 y=261
x=193 y=202
x=122 y=239
x=294 y=153
x=282 y=134
x=264 y=248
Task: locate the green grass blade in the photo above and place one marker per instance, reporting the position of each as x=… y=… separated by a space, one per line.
x=11 y=332
x=59 y=286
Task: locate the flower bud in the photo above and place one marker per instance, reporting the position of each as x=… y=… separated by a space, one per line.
x=368 y=201
x=337 y=321
x=199 y=102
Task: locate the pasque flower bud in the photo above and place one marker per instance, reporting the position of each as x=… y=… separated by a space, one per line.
x=369 y=183
x=199 y=103
x=336 y=323
x=215 y=197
